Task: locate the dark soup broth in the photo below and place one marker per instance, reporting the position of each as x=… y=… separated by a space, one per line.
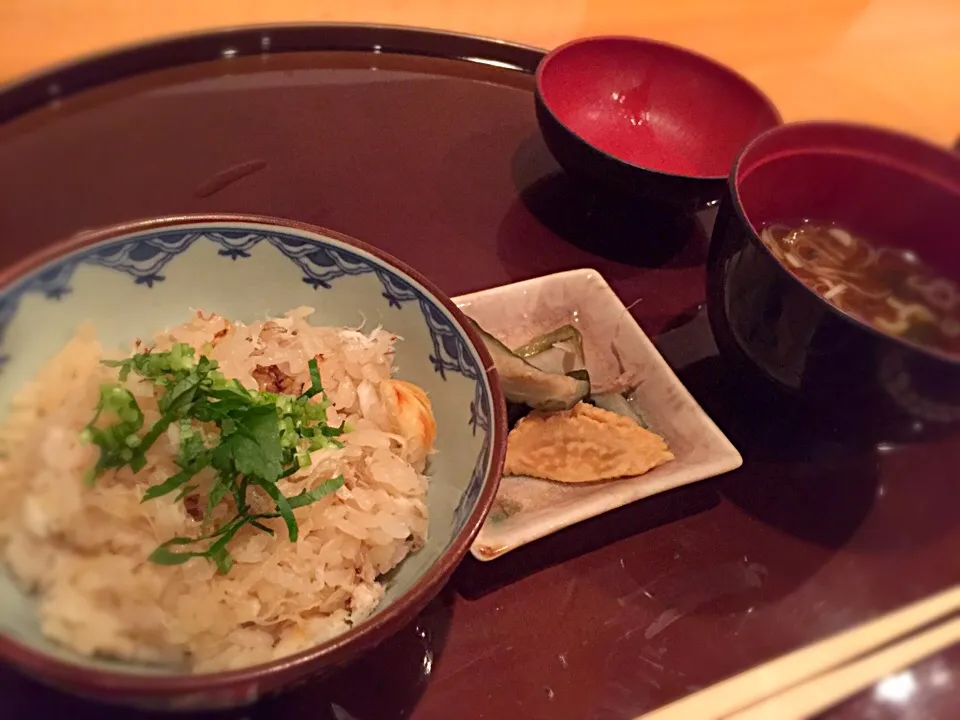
x=891 y=289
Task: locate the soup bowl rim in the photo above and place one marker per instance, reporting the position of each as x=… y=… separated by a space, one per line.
x=734 y=189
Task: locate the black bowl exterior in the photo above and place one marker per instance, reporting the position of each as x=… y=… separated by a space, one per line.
x=776 y=331
x=585 y=162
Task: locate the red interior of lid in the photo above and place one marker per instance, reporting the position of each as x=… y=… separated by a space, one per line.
x=654 y=105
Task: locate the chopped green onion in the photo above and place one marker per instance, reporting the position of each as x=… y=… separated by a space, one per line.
x=260 y=438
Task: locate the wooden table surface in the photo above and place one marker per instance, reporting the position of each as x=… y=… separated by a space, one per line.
x=888 y=62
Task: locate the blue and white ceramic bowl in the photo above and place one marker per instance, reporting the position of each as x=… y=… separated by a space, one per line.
x=138 y=279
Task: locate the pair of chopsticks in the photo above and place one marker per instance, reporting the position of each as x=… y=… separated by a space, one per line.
x=810 y=680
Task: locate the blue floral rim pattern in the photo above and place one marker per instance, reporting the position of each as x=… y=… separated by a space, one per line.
x=144 y=256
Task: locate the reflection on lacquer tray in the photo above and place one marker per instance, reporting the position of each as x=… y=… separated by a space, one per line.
x=922 y=691
x=795 y=458
x=816 y=480
x=792 y=459
x=791 y=463
x=622 y=229
x=386 y=682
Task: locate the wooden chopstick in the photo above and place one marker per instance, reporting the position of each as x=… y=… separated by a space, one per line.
x=751 y=687
x=814 y=696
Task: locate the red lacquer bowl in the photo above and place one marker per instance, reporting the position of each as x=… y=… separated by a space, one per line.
x=647 y=118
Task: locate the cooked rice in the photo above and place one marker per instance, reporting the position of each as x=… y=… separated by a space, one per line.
x=84 y=550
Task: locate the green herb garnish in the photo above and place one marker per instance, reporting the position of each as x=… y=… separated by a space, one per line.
x=250 y=438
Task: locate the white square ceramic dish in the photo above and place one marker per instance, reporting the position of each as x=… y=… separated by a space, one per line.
x=528 y=508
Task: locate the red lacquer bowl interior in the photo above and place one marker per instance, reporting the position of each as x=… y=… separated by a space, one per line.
x=654 y=105
x=896 y=190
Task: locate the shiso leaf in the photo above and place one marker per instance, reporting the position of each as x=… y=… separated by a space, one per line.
x=256 y=439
